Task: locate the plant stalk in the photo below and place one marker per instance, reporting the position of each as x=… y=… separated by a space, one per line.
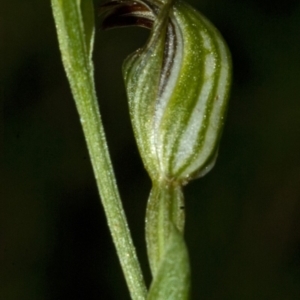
x=75 y=34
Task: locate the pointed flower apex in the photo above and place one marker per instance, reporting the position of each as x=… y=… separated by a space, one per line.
x=177 y=86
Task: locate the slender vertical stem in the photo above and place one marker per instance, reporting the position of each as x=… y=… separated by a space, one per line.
x=105 y=178
x=76 y=40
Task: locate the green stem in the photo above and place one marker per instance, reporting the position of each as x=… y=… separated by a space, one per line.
x=167 y=251
x=95 y=138
x=75 y=41
x=165 y=210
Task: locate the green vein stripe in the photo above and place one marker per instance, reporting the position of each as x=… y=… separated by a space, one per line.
x=191 y=148
x=182 y=99
x=163 y=101
x=201 y=114
x=214 y=128
x=191 y=137
x=143 y=71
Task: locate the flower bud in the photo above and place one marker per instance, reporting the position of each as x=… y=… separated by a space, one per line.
x=177 y=85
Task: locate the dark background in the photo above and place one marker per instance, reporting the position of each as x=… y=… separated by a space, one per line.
x=243 y=228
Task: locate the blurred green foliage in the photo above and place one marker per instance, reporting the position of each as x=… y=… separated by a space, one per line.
x=243 y=228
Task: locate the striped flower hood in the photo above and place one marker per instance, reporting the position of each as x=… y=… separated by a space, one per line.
x=177 y=86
